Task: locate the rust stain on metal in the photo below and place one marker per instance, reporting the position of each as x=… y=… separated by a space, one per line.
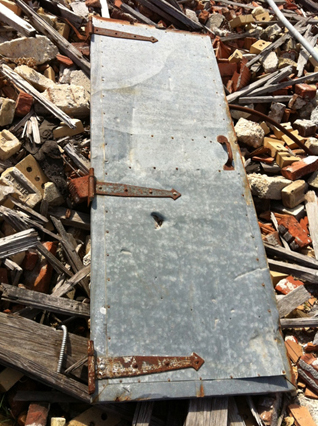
x=129 y=366
x=91 y=367
x=200 y=393
x=224 y=141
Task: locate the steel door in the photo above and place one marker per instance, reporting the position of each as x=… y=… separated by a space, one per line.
x=175 y=277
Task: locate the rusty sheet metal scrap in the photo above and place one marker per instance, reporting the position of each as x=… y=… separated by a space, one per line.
x=128 y=366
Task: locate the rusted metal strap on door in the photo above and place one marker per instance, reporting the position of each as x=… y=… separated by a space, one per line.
x=129 y=366
x=119 y=34
x=87 y=187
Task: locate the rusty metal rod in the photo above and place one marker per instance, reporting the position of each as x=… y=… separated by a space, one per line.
x=274 y=123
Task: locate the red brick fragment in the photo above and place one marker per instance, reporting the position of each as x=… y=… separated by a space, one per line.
x=226 y=69
x=64 y=60
x=203 y=16
x=93 y=3
x=300 y=168
x=308 y=370
x=293 y=232
x=305 y=91
x=40 y=277
x=30 y=260
x=37 y=415
x=288 y=284
x=23 y=104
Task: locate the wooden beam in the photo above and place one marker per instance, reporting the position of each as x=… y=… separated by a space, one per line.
x=16 y=243
x=143 y=413
x=43 y=301
x=291 y=256
x=70 y=252
x=301 y=272
x=312 y=214
x=19 y=24
x=34 y=349
x=293 y=299
x=207 y=412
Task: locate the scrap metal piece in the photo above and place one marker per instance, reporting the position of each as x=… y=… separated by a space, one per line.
x=120 y=34
x=129 y=366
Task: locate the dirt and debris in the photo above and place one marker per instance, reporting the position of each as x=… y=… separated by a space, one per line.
x=45 y=236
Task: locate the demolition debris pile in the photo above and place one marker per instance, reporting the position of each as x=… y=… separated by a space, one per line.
x=270 y=81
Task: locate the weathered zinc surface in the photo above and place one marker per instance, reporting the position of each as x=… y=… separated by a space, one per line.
x=174 y=278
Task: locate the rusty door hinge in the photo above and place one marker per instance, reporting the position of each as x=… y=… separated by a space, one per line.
x=119 y=34
x=129 y=366
x=87 y=187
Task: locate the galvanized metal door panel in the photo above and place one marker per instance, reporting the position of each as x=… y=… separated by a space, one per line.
x=197 y=281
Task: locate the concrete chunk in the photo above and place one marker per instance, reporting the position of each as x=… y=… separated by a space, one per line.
x=52 y=195
x=7 y=111
x=305 y=127
x=269 y=187
x=28 y=193
x=40 y=48
x=78 y=78
x=270 y=63
x=312 y=144
x=294 y=194
x=39 y=81
x=9 y=145
x=73 y=100
x=249 y=133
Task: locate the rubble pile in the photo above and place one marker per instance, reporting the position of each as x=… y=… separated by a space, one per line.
x=45 y=234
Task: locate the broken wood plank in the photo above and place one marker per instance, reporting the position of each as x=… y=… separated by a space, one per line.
x=291 y=256
x=299 y=322
x=272 y=88
x=16 y=243
x=64 y=46
x=59 y=9
x=71 y=217
x=19 y=24
x=234 y=416
x=70 y=252
x=293 y=299
x=56 y=264
x=207 y=412
x=27 y=209
x=301 y=415
x=75 y=279
x=26 y=87
x=13 y=267
x=22 y=341
x=176 y=14
x=301 y=272
x=141 y=18
x=143 y=413
x=312 y=214
x=79 y=160
x=250 y=87
x=268 y=49
x=263 y=99
x=43 y=301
